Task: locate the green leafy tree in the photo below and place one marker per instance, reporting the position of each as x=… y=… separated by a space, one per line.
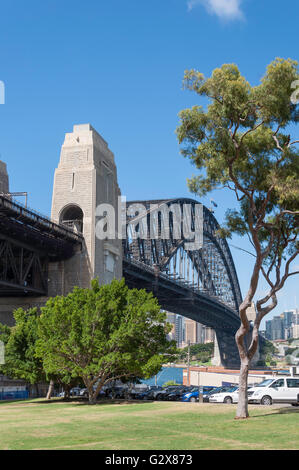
x=21 y=358
x=241 y=142
x=21 y=361
x=104 y=333
x=169 y=383
x=288 y=360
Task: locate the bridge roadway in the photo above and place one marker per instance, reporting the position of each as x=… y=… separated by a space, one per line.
x=178 y=297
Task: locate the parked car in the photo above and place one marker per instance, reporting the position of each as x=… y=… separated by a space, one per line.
x=229 y=396
x=275 y=390
x=206 y=396
x=117 y=392
x=176 y=395
x=194 y=393
x=139 y=393
x=84 y=393
x=75 y=392
x=152 y=393
x=162 y=395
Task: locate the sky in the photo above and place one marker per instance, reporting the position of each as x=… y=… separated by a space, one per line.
x=119 y=65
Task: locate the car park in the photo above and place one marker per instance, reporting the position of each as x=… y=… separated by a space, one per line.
x=275 y=390
x=229 y=396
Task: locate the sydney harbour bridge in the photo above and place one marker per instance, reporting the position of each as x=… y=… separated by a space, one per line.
x=200 y=284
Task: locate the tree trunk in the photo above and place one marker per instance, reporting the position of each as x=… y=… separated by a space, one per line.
x=67 y=392
x=50 y=390
x=242 y=409
x=92 y=396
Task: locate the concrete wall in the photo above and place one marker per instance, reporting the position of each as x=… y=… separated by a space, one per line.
x=217 y=378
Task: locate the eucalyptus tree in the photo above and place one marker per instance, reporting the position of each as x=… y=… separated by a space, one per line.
x=241 y=141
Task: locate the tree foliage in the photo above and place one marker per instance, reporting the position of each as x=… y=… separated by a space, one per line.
x=20 y=340
x=242 y=142
x=104 y=333
x=202 y=352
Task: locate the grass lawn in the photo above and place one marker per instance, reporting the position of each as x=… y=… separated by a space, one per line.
x=149 y=426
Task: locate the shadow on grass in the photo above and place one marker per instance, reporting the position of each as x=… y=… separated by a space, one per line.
x=279 y=411
x=84 y=402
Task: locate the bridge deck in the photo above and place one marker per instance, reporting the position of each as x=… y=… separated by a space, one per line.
x=28 y=226
x=28 y=241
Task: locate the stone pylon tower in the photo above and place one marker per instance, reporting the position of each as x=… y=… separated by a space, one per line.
x=4 y=186
x=85 y=178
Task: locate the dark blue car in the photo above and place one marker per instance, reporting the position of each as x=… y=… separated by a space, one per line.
x=193 y=395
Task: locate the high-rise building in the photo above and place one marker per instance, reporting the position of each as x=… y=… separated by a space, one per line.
x=200 y=333
x=209 y=335
x=179 y=330
x=288 y=318
x=277 y=328
x=269 y=330
x=171 y=318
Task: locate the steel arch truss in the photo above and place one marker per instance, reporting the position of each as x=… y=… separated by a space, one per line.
x=208 y=269
x=22 y=270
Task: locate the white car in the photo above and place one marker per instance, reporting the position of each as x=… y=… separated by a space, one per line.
x=230 y=396
x=275 y=390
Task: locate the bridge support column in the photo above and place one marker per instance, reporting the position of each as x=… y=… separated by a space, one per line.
x=226 y=352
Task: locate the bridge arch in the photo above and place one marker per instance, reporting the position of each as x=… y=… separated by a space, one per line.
x=209 y=269
x=72 y=216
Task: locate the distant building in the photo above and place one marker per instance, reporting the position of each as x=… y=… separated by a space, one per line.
x=185 y=330
x=277 y=328
x=200 y=333
x=209 y=335
x=269 y=330
x=295 y=331
x=179 y=331
x=171 y=318
x=251 y=312
x=283 y=327
x=190 y=331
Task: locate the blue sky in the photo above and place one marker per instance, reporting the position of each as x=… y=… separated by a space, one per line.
x=119 y=65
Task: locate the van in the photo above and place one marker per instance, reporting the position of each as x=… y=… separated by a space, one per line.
x=275 y=390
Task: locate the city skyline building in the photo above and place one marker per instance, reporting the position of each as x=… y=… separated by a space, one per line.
x=284 y=326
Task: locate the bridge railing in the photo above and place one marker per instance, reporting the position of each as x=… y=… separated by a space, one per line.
x=33 y=217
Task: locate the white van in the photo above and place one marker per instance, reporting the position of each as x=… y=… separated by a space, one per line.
x=275 y=390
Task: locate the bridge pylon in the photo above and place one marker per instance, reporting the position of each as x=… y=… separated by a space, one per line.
x=86 y=177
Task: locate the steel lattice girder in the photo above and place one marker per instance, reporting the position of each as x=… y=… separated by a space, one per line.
x=212 y=262
x=22 y=270
x=25 y=225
